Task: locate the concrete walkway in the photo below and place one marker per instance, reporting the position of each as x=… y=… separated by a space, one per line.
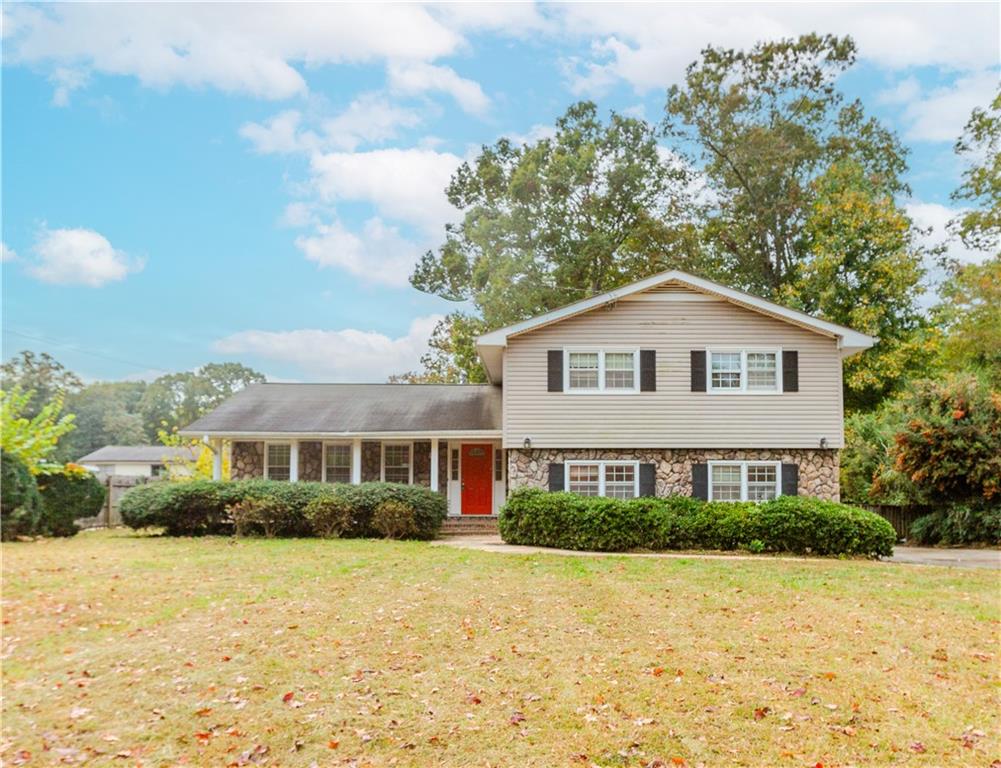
x=959 y=558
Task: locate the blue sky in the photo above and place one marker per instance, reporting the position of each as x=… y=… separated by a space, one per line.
x=193 y=183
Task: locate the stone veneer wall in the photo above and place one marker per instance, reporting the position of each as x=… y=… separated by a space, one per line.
x=246 y=460
x=371 y=461
x=818 y=469
x=311 y=461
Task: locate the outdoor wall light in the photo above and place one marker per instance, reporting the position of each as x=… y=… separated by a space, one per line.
x=823 y=442
x=527 y=445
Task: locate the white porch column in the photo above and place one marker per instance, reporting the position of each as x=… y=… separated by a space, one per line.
x=356 y=461
x=434 y=463
x=217 y=459
x=293 y=462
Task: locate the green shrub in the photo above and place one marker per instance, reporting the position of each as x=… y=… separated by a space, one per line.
x=20 y=502
x=787 y=524
x=330 y=517
x=959 y=524
x=66 y=497
x=199 y=507
x=265 y=516
x=394 y=520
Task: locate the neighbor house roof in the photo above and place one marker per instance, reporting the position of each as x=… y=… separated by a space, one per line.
x=145 y=454
x=320 y=410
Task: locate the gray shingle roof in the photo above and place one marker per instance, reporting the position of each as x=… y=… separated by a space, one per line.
x=152 y=454
x=354 y=408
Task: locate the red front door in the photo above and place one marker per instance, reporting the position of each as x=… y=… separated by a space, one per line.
x=477 y=479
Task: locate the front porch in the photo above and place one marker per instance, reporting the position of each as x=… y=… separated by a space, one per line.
x=470 y=471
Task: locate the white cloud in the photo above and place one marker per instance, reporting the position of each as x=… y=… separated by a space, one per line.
x=66 y=81
x=941 y=114
x=369 y=119
x=245 y=48
x=401 y=184
x=650 y=45
x=6 y=253
x=902 y=92
x=79 y=256
x=340 y=355
x=279 y=134
x=936 y=217
x=535 y=133
x=418 y=77
x=377 y=254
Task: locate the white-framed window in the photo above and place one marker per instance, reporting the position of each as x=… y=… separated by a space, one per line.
x=278 y=461
x=616 y=479
x=744 y=371
x=498 y=464
x=157 y=470
x=455 y=464
x=601 y=370
x=397 y=463
x=744 y=480
x=337 y=462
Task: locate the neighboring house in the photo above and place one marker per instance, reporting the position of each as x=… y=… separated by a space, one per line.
x=670 y=385
x=138 y=460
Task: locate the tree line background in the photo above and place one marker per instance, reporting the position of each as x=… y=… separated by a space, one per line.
x=761 y=175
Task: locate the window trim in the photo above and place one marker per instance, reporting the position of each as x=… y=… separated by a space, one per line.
x=382 y=458
x=743 y=352
x=323 y=458
x=267 y=463
x=743 y=464
x=601 y=473
x=601 y=388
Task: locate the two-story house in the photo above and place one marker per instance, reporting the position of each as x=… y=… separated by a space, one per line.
x=670 y=385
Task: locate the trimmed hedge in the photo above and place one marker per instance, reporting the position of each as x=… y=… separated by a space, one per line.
x=787 y=524
x=20 y=503
x=200 y=507
x=66 y=497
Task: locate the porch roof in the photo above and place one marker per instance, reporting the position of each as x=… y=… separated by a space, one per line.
x=353 y=409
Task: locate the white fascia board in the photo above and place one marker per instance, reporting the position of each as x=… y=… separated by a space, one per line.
x=849 y=339
x=471 y=434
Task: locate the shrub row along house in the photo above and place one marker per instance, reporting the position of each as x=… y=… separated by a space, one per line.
x=670 y=385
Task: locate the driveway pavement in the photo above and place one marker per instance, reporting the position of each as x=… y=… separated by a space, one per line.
x=958 y=558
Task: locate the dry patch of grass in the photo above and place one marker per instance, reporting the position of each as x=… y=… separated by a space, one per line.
x=219 y=652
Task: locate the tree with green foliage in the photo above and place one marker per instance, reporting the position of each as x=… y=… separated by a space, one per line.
x=177 y=399
x=549 y=222
x=970 y=313
x=980 y=226
x=42 y=375
x=861 y=267
x=764 y=124
x=31 y=438
x=20 y=503
x=451 y=356
x=107 y=413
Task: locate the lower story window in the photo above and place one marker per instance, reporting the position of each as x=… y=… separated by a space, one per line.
x=615 y=479
x=337 y=464
x=279 y=461
x=396 y=464
x=743 y=481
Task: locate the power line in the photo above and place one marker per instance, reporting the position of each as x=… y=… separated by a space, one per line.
x=88 y=352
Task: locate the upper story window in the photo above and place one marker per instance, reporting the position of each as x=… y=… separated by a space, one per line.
x=736 y=371
x=598 y=370
x=279 y=461
x=743 y=480
x=615 y=479
x=337 y=463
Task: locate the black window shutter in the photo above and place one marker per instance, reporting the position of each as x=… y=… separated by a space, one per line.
x=700 y=481
x=556 y=477
x=555 y=358
x=790 y=479
x=698 y=370
x=648 y=370
x=790 y=370
x=648 y=479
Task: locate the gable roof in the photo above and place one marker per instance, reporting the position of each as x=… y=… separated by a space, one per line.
x=144 y=454
x=490 y=345
x=319 y=410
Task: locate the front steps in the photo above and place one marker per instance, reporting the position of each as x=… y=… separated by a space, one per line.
x=469 y=526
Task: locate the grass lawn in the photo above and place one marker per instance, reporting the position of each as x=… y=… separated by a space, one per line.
x=294 y=652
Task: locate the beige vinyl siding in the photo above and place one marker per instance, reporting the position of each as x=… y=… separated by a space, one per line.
x=673 y=416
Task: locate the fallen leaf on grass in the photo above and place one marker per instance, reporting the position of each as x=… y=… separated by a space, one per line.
x=918 y=747
x=333 y=744
x=288 y=697
x=516 y=718
x=761 y=712
x=203 y=711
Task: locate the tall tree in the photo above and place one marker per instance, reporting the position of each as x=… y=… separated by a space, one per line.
x=861 y=266
x=763 y=125
x=177 y=399
x=42 y=375
x=980 y=227
x=31 y=437
x=970 y=311
x=107 y=413
x=549 y=222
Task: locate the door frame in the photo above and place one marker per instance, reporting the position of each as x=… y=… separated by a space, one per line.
x=498 y=487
